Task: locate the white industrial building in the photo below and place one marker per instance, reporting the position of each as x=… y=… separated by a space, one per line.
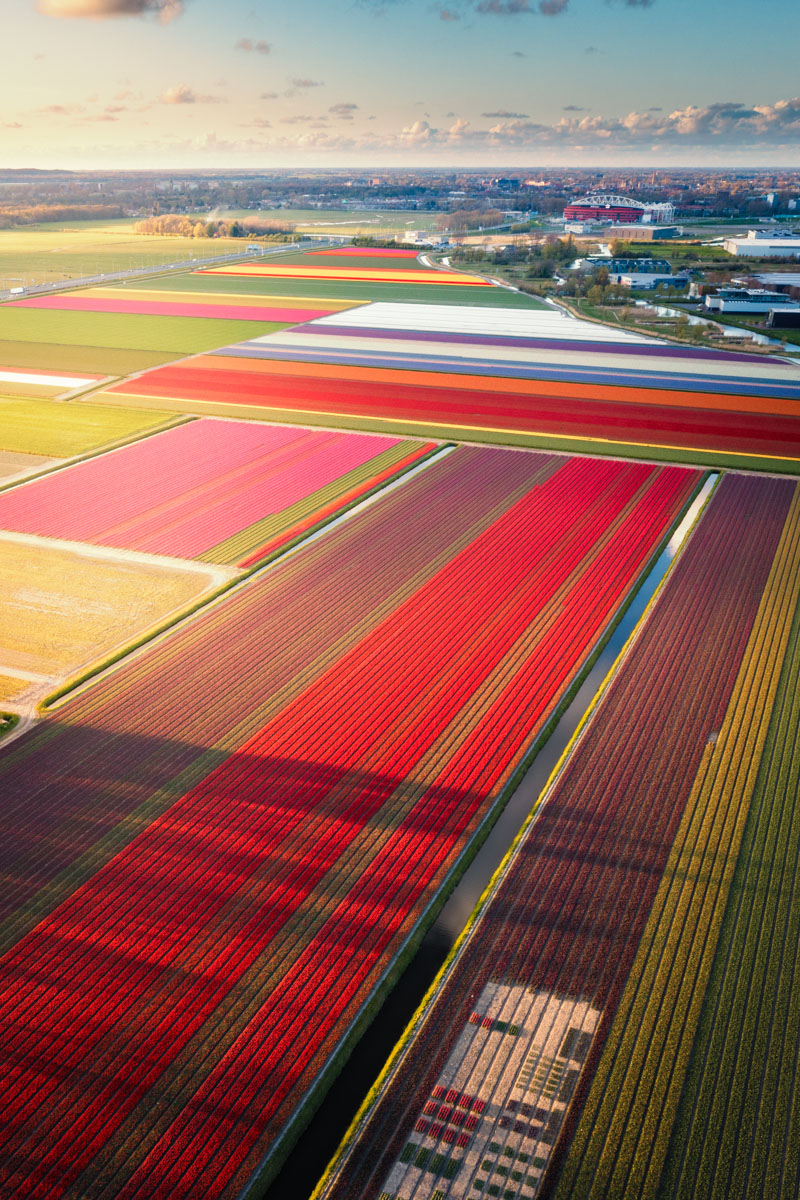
x=763 y=243
x=748 y=300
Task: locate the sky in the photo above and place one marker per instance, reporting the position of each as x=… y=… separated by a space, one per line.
x=89 y=84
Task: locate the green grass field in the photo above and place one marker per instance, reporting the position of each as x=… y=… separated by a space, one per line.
x=125 y=331
x=97 y=361
x=385 y=223
x=62 y=430
x=273 y=285
x=73 y=250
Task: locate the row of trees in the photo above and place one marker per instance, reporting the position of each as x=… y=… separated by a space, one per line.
x=34 y=214
x=540 y=260
x=470 y=218
x=178 y=225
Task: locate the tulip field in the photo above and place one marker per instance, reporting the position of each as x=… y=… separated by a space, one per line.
x=618 y=895
x=34 y=426
x=222 y=491
x=111 y=300
x=307 y=556
x=543 y=385
x=205 y=931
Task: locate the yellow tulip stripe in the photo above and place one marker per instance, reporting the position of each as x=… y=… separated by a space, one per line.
x=620 y=1146
x=738 y=1127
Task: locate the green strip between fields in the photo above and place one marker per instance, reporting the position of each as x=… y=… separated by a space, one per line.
x=713 y=460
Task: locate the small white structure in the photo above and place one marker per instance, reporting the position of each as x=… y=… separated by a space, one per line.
x=421 y=237
x=646 y=279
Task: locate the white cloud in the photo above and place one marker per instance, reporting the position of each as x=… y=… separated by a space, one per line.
x=182 y=94
x=419 y=133
x=163 y=10
x=251 y=47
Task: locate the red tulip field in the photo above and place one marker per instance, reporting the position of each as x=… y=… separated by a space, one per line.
x=221 y=861
x=627 y=841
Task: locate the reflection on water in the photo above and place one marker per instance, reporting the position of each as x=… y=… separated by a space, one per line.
x=317 y=1144
x=728 y=331
x=455 y=913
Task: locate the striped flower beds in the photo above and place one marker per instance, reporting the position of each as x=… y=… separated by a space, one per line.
x=344 y=327
x=632 y=1113
x=222 y=491
x=362 y=252
x=373 y=274
x=675 y=420
x=173 y=308
x=309 y=346
x=236 y=865
x=561 y=926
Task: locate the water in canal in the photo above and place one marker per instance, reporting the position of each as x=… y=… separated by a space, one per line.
x=317 y=1144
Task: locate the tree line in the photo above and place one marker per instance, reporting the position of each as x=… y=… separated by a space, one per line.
x=35 y=214
x=178 y=225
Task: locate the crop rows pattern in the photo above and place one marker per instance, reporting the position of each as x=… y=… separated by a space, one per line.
x=569 y=910
x=396 y=399
x=222 y=491
x=622 y=1148
x=205 y=884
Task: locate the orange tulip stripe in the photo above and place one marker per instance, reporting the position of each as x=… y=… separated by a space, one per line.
x=439 y=402
x=374 y=275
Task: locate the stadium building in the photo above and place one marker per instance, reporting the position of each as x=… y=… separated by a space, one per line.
x=617 y=210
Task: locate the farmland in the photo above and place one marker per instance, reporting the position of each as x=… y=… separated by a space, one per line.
x=338 y=624
x=562 y=923
x=632 y=1112
x=299 y=901
x=359 y=290
x=79 y=358
x=154 y=303
x=75 y=250
x=222 y=491
x=288 y=269
x=15 y=464
x=744 y=420
x=63 y=608
x=60 y=430
x=162 y=335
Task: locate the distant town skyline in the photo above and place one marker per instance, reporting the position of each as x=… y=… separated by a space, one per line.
x=182 y=83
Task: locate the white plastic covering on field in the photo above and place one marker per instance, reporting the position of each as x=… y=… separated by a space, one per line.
x=439 y=355
x=458 y=318
x=46 y=378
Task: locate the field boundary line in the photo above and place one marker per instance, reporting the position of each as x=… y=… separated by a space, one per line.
x=362 y=1116
x=692 y=893
x=239 y=578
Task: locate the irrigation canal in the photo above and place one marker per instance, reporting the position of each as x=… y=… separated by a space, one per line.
x=317 y=1144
